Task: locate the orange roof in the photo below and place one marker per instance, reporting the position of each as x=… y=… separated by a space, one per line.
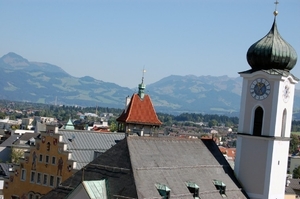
x=230 y=152
x=140 y=111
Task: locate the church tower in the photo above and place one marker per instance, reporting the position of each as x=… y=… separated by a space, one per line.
x=266 y=116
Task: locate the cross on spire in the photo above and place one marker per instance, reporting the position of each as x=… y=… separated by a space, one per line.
x=276 y=2
x=275 y=11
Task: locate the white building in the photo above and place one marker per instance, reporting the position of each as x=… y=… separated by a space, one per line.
x=266 y=116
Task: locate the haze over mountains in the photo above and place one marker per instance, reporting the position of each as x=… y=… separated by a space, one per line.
x=23 y=80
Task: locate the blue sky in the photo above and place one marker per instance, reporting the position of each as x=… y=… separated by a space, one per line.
x=114 y=40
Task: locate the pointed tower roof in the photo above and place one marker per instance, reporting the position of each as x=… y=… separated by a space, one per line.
x=272 y=51
x=140 y=109
x=69 y=125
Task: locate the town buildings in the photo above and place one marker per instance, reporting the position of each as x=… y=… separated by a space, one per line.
x=52 y=157
x=146 y=166
x=157 y=167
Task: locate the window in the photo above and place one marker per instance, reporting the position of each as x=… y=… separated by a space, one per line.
x=53 y=160
x=58 y=179
x=38 y=179
x=32 y=176
x=41 y=158
x=258 y=121
x=193 y=188
x=30 y=196
x=23 y=174
x=47 y=159
x=220 y=186
x=51 y=181
x=45 y=179
x=163 y=190
x=48 y=146
x=97 y=154
x=283 y=126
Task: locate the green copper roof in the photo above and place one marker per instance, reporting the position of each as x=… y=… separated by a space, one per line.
x=142 y=87
x=272 y=52
x=69 y=125
x=96 y=189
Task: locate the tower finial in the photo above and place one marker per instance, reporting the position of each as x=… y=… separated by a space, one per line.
x=143 y=74
x=275 y=11
x=142 y=86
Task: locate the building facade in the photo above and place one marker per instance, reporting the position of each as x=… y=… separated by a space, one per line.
x=43 y=167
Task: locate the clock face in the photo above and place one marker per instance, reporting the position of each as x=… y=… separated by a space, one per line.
x=286 y=91
x=260 y=89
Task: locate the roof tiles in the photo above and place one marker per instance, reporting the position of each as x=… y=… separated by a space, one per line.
x=133 y=167
x=140 y=111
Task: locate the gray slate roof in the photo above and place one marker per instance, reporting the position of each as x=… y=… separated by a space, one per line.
x=293 y=188
x=4 y=169
x=9 y=141
x=173 y=162
x=83 y=144
x=136 y=164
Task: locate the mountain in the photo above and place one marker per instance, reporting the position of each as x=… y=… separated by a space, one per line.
x=22 y=80
x=206 y=94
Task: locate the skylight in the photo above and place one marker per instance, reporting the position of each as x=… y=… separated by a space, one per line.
x=163 y=190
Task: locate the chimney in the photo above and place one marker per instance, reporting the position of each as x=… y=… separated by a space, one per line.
x=128 y=99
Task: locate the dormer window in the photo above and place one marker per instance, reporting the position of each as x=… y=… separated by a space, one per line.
x=193 y=188
x=163 y=190
x=221 y=186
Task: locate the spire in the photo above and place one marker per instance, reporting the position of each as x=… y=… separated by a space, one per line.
x=69 y=125
x=142 y=86
x=272 y=51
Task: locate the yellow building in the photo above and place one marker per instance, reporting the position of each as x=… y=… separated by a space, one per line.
x=54 y=157
x=45 y=166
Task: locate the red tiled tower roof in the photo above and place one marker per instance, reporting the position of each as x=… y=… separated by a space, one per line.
x=140 y=111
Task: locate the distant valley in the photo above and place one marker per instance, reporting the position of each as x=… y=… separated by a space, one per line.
x=23 y=80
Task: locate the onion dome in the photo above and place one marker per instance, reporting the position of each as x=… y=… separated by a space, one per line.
x=272 y=52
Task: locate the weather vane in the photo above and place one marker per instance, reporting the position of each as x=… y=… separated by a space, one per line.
x=275 y=11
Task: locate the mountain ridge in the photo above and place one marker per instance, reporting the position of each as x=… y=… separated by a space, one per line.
x=23 y=80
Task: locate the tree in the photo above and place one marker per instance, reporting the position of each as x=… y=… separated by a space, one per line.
x=113 y=126
x=15 y=155
x=294 y=143
x=296 y=172
x=212 y=123
x=2 y=115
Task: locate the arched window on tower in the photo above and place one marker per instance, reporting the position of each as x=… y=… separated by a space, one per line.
x=258 y=121
x=283 y=124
